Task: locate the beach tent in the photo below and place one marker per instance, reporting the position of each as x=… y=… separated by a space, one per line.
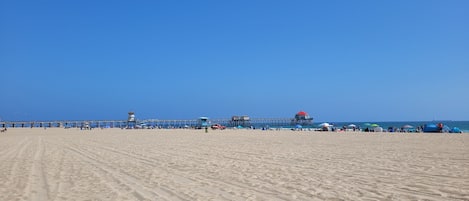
x=378 y=129
x=455 y=130
x=431 y=128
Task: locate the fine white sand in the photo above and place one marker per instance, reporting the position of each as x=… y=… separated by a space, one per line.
x=114 y=164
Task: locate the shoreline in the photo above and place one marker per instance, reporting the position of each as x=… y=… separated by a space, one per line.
x=270 y=130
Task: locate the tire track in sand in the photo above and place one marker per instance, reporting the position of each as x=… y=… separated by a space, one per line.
x=37 y=187
x=13 y=183
x=120 y=180
x=203 y=185
x=206 y=184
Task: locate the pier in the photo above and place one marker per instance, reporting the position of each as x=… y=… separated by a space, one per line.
x=154 y=123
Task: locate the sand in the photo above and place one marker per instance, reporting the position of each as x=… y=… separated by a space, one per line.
x=115 y=164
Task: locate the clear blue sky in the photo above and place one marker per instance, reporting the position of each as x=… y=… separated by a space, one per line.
x=358 y=60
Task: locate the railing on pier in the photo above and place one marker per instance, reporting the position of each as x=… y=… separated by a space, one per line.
x=256 y=122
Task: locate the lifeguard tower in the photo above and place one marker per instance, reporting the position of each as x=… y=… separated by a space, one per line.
x=131 y=121
x=302 y=118
x=203 y=122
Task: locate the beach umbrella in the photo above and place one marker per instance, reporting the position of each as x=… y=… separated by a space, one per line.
x=407 y=126
x=366 y=124
x=374 y=125
x=352 y=126
x=324 y=125
x=299 y=126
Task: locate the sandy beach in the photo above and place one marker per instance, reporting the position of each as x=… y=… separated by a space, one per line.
x=115 y=164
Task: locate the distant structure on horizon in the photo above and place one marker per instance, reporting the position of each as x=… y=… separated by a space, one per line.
x=302 y=118
x=240 y=121
x=131 y=121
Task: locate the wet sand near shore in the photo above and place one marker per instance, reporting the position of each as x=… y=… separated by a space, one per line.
x=115 y=164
